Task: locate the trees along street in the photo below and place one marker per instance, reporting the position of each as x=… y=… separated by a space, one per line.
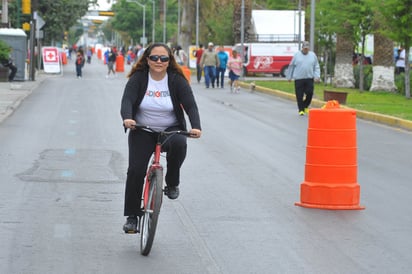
x=64 y=160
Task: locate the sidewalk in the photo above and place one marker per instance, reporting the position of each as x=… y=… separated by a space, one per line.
x=13 y=93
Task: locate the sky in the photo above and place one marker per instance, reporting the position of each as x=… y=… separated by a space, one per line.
x=103 y=5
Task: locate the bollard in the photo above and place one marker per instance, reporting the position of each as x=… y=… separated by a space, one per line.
x=119 y=63
x=64 y=58
x=99 y=54
x=331 y=160
x=187 y=73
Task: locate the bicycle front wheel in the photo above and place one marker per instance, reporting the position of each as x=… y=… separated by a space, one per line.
x=151 y=212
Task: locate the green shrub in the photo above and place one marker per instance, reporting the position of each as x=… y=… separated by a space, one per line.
x=367 y=76
x=4 y=51
x=400 y=82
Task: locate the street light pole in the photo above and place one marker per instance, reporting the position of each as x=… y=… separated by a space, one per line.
x=178 y=22
x=312 y=25
x=153 y=22
x=5 y=13
x=164 y=21
x=197 y=23
x=242 y=35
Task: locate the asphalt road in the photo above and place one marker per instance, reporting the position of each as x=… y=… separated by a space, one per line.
x=63 y=158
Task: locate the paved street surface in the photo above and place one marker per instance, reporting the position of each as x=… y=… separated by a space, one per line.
x=63 y=158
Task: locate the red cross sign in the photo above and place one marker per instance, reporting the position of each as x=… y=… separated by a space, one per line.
x=51 y=55
x=51 y=60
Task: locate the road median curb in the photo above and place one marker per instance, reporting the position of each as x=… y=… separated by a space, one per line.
x=365 y=115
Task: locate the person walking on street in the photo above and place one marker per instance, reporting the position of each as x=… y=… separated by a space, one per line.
x=234 y=66
x=79 y=64
x=221 y=69
x=157 y=94
x=304 y=69
x=180 y=56
x=89 y=55
x=209 y=62
x=111 y=60
x=400 y=62
x=199 y=69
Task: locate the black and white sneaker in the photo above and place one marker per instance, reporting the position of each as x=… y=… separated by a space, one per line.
x=172 y=192
x=132 y=225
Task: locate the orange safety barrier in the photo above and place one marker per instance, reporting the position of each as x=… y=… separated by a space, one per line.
x=119 y=63
x=187 y=73
x=64 y=58
x=99 y=54
x=331 y=160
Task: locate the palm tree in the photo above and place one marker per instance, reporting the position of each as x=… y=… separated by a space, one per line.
x=187 y=27
x=383 y=67
x=237 y=16
x=343 y=66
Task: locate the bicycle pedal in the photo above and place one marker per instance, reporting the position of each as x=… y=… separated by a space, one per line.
x=132 y=232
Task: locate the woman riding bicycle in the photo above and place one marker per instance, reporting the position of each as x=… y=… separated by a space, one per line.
x=155 y=95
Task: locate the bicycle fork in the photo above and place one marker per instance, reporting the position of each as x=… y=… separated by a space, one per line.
x=147 y=198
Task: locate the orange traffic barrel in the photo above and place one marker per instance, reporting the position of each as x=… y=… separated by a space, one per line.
x=99 y=54
x=331 y=160
x=119 y=63
x=64 y=58
x=187 y=73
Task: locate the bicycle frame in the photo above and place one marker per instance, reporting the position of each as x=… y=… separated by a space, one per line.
x=153 y=192
x=155 y=165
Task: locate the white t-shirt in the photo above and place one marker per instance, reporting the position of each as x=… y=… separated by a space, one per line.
x=156 y=109
x=401 y=61
x=181 y=57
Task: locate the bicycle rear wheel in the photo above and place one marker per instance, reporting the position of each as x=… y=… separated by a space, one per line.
x=151 y=212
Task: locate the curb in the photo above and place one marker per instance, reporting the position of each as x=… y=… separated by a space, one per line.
x=22 y=90
x=365 y=115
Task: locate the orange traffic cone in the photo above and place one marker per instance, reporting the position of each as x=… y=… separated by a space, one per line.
x=331 y=160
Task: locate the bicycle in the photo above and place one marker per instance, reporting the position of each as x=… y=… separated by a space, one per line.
x=153 y=190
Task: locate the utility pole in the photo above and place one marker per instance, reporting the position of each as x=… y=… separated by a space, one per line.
x=197 y=23
x=153 y=22
x=4 y=13
x=242 y=35
x=178 y=22
x=312 y=26
x=164 y=20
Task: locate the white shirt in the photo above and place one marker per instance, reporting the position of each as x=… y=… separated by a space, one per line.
x=401 y=61
x=156 y=108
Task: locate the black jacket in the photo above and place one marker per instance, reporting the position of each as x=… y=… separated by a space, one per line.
x=180 y=91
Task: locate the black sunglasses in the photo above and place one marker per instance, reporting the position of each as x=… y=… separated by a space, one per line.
x=163 y=58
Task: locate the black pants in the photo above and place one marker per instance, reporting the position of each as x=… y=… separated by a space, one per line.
x=199 y=71
x=141 y=147
x=220 y=76
x=13 y=71
x=304 y=88
x=79 y=70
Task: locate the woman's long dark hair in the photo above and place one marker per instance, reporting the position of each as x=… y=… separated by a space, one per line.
x=142 y=63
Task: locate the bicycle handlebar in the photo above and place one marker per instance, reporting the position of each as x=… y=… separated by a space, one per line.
x=172 y=132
